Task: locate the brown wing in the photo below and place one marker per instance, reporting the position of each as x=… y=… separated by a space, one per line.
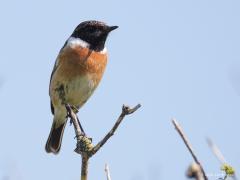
x=54 y=69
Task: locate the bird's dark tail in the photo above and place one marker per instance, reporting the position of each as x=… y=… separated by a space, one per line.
x=54 y=141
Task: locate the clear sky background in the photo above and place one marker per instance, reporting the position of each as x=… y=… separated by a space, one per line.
x=177 y=58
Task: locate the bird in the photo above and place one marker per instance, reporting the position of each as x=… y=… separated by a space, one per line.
x=78 y=69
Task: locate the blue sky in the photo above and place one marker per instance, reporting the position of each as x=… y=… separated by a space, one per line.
x=177 y=58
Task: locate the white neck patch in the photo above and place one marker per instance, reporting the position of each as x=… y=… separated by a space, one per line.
x=73 y=42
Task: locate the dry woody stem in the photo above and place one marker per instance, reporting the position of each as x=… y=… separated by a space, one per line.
x=107 y=171
x=186 y=142
x=84 y=144
x=216 y=151
x=195 y=172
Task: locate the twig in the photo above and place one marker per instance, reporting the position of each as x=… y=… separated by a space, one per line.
x=107 y=172
x=84 y=168
x=216 y=151
x=74 y=120
x=180 y=131
x=194 y=171
x=125 y=111
x=84 y=144
x=79 y=136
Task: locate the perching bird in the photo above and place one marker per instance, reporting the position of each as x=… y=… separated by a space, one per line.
x=77 y=72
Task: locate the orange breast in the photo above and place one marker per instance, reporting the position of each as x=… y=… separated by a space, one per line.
x=79 y=60
x=79 y=70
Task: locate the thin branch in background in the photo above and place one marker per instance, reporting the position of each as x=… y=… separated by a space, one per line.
x=84 y=144
x=225 y=166
x=194 y=171
x=107 y=171
x=186 y=142
x=216 y=151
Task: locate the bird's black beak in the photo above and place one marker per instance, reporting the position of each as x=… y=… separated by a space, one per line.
x=111 y=28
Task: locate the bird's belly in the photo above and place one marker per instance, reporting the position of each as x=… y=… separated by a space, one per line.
x=75 y=91
x=77 y=74
x=79 y=90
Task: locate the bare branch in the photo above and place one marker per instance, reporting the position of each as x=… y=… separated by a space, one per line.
x=84 y=143
x=180 y=131
x=84 y=169
x=74 y=120
x=107 y=171
x=194 y=171
x=80 y=139
x=216 y=151
x=125 y=111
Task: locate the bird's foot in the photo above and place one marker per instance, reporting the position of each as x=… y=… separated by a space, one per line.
x=75 y=109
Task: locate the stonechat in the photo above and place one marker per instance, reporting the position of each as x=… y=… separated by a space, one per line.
x=77 y=72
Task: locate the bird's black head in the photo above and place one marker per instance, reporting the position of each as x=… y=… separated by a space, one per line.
x=93 y=32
